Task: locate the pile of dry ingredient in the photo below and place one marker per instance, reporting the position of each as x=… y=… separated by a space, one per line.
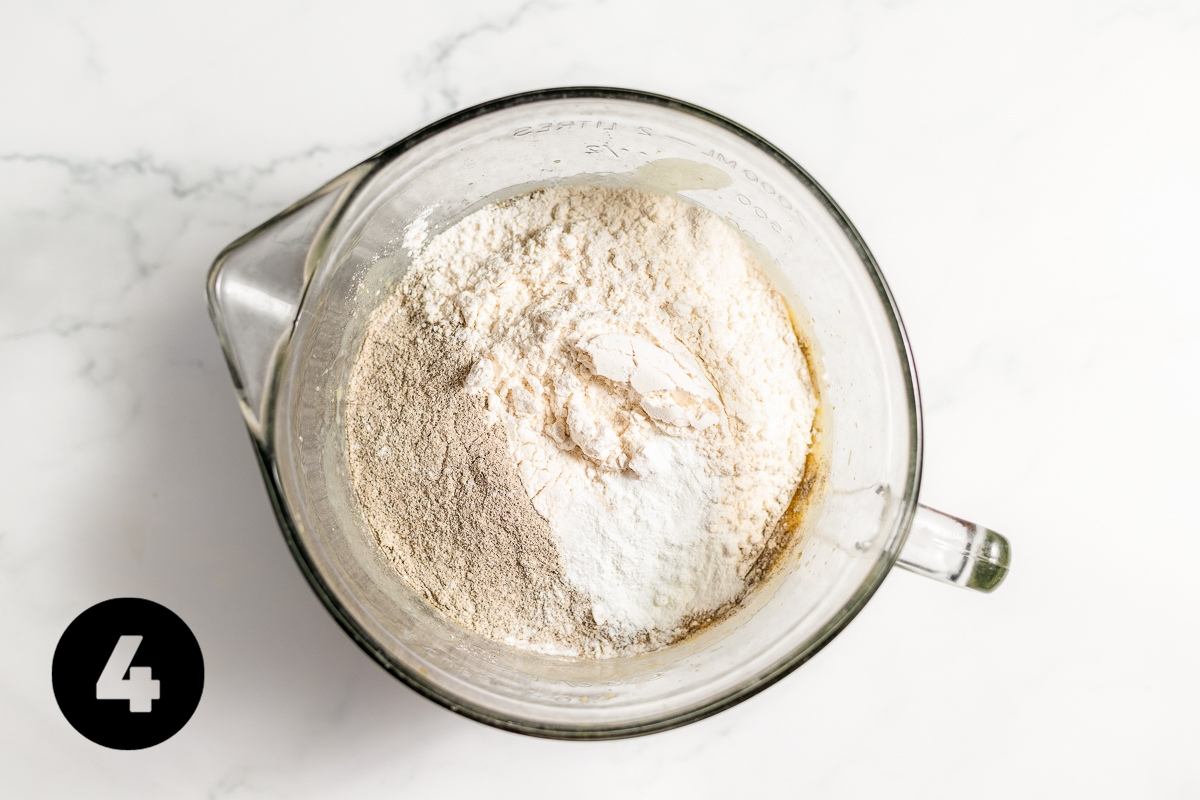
x=576 y=424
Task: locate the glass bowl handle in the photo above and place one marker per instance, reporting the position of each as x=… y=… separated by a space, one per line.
x=255 y=287
x=955 y=551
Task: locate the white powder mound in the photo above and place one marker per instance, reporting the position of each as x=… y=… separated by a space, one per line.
x=653 y=392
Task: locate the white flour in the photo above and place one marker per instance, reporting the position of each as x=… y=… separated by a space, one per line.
x=652 y=390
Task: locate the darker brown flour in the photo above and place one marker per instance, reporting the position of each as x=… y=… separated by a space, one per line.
x=439 y=489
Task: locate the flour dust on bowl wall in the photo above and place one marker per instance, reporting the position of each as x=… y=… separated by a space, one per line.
x=586 y=412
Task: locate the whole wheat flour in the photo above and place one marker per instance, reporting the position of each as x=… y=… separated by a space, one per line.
x=618 y=363
x=441 y=493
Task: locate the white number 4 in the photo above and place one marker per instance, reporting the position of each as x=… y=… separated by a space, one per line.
x=139 y=688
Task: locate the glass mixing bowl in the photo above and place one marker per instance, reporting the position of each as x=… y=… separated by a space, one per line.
x=291 y=300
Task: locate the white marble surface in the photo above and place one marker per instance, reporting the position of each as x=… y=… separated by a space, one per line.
x=1027 y=174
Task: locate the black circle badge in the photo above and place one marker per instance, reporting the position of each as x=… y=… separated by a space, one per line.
x=128 y=673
